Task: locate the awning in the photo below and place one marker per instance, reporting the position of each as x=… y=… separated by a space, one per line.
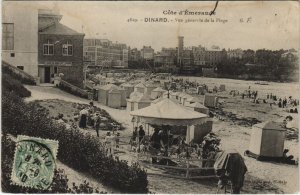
x=167 y=112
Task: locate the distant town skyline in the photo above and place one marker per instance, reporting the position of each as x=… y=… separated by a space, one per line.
x=272 y=25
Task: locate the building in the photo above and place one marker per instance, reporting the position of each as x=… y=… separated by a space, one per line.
x=60 y=49
x=214 y=56
x=105 y=53
x=199 y=55
x=166 y=58
x=235 y=53
x=134 y=55
x=147 y=53
x=20 y=37
x=35 y=41
x=187 y=61
x=180 y=49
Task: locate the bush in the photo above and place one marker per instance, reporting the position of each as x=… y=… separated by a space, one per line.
x=24 y=80
x=76 y=149
x=71 y=91
x=13 y=85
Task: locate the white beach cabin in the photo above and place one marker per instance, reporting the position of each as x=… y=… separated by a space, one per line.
x=267 y=139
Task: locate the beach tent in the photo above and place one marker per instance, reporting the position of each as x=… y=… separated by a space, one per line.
x=140 y=88
x=185 y=97
x=180 y=96
x=210 y=100
x=168 y=112
x=128 y=88
x=149 y=87
x=191 y=100
x=103 y=93
x=109 y=75
x=157 y=92
x=222 y=88
x=267 y=139
x=198 y=107
x=142 y=102
x=174 y=95
x=114 y=98
x=132 y=99
x=201 y=90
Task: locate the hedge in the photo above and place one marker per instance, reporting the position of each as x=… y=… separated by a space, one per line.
x=76 y=149
x=11 y=84
x=24 y=80
x=71 y=91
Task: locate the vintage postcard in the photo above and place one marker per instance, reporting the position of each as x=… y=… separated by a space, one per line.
x=166 y=97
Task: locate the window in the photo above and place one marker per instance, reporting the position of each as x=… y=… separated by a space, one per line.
x=67 y=49
x=7 y=36
x=48 y=48
x=20 y=67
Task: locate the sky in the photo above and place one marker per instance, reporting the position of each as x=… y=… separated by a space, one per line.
x=272 y=25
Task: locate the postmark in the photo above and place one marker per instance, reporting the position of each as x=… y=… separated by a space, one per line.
x=34 y=162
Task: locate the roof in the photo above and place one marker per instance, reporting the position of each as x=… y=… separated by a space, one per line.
x=187 y=96
x=157 y=100
x=134 y=95
x=144 y=98
x=126 y=85
x=110 y=87
x=60 y=29
x=159 y=89
x=196 y=105
x=193 y=99
x=140 y=85
x=168 y=112
x=181 y=94
x=150 y=84
x=271 y=125
x=114 y=91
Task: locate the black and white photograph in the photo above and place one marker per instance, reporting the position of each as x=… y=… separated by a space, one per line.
x=150 y=97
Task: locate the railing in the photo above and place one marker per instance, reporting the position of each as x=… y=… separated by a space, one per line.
x=188 y=168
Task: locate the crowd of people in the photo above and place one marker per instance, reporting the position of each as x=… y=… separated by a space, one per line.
x=163 y=143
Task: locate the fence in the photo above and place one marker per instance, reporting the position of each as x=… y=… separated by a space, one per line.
x=187 y=168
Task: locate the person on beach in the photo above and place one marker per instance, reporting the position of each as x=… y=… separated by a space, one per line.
x=110 y=143
x=141 y=133
x=155 y=142
x=118 y=140
x=97 y=123
x=133 y=139
x=284 y=102
x=83 y=118
x=279 y=104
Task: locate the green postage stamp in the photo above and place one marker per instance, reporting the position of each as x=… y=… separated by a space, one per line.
x=34 y=162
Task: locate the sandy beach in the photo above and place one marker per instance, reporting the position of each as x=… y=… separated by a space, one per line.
x=262 y=177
